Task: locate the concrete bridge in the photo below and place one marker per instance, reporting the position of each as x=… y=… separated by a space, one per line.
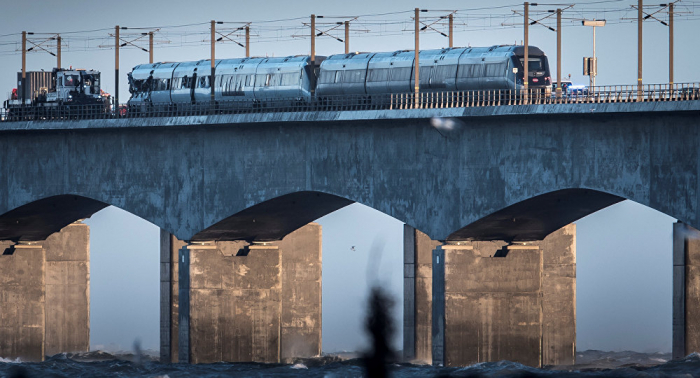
x=517 y=173
x=509 y=173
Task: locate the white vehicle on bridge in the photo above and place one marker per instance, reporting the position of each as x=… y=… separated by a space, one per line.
x=356 y=77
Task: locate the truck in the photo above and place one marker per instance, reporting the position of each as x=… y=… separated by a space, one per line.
x=59 y=93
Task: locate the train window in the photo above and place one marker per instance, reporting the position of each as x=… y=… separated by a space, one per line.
x=494 y=69
x=354 y=76
x=425 y=74
x=289 y=79
x=379 y=74
x=444 y=72
x=534 y=64
x=249 y=80
x=204 y=82
x=338 y=76
x=401 y=74
x=470 y=70
x=326 y=76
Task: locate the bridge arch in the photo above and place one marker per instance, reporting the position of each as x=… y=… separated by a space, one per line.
x=538 y=216
x=38 y=219
x=274 y=218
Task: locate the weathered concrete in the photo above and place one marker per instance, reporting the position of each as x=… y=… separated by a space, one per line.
x=492 y=305
x=494 y=301
x=170 y=174
x=235 y=303
x=301 y=318
x=45 y=295
x=67 y=280
x=559 y=297
x=418 y=284
x=169 y=296
x=22 y=298
x=686 y=290
x=263 y=303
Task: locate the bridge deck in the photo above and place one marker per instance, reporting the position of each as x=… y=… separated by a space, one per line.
x=358 y=115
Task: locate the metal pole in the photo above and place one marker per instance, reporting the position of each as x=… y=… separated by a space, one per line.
x=451 y=27
x=150 y=47
x=247 y=41
x=116 y=69
x=670 y=43
x=213 y=67
x=558 y=53
x=525 y=64
x=347 y=37
x=58 y=51
x=639 y=50
x=416 y=65
x=593 y=66
x=313 y=41
x=24 y=67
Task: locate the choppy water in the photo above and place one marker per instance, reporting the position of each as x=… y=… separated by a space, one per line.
x=596 y=364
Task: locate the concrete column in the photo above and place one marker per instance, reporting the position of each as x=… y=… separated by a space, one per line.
x=492 y=304
x=242 y=298
x=301 y=293
x=230 y=303
x=686 y=290
x=424 y=247
x=418 y=291
x=169 y=296
x=45 y=295
x=67 y=280
x=409 y=293
x=22 y=300
x=559 y=297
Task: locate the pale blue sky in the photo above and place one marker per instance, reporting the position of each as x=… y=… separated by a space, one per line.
x=624 y=253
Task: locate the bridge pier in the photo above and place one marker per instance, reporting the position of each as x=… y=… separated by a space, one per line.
x=483 y=301
x=686 y=290
x=237 y=302
x=44 y=295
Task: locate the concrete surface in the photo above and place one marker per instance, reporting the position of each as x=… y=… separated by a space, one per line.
x=422 y=284
x=22 y=299
x=45 y=295
x=686 y=290
x=301 y=318
x=246 y=302
x=169 y=170
x=493 y=301
x=67 y=279
x=559 y=297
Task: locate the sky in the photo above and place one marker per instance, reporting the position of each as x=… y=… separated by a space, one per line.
x=624 y=252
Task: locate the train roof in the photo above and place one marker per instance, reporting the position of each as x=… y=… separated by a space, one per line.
x=425 y=54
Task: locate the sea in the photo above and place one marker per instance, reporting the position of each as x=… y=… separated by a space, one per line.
x=589 y=364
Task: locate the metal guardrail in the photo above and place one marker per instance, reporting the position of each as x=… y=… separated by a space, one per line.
x=428 y=100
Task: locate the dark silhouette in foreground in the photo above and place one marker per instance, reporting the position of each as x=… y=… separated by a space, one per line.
x=381 y=329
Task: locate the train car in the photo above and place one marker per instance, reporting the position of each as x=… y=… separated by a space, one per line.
x=461 y=69
x=285 y=81
x=238 y=82
x=343 y=74
x=150 y=84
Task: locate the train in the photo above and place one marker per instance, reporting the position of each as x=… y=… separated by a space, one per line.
x=363 y=77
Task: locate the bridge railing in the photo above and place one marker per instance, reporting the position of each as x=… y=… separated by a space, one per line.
x=424 y=100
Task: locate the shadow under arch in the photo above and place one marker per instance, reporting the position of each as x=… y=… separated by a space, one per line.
x=537 y=217
x=37 y=220
x=273 y=219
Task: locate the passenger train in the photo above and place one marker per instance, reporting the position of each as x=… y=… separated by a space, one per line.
x=251 y=82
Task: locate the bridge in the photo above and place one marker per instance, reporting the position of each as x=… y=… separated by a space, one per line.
x=513 y=171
